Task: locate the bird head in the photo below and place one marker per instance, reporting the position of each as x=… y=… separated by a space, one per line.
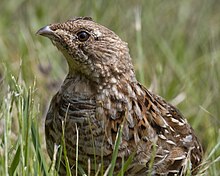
x=90 y=49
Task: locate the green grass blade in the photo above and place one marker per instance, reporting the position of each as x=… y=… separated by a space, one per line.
x=126 y=164
x=81 y=170
x=115 y=151
x=68 y=170
x=36 y=144
x=15 y=161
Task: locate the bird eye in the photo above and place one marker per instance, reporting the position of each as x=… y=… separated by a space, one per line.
x=83 y=36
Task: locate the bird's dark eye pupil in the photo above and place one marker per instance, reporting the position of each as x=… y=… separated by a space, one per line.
x=83 y=36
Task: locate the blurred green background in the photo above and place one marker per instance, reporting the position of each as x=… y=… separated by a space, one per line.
x=175 y=46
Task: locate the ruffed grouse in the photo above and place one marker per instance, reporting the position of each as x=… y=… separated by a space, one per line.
x=99 y=94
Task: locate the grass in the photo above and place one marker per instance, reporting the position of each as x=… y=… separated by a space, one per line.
x=175 y=46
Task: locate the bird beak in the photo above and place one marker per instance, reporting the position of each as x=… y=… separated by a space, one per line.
x=47 y=32
x=44 y=31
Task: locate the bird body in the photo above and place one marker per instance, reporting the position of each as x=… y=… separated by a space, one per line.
x=100 y=94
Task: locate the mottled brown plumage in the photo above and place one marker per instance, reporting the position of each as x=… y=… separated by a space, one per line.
x=100 y=93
